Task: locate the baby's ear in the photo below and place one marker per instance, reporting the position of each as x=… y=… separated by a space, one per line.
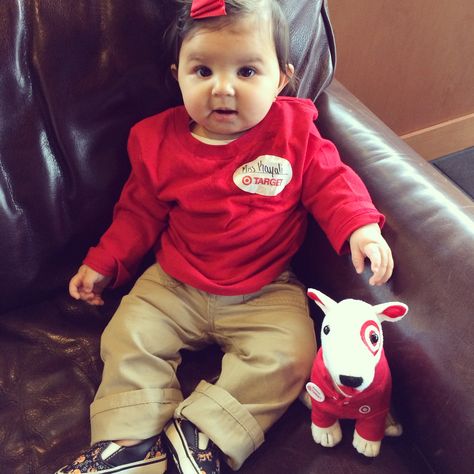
x=285 y=77
x=290 y=70
x=174 y=71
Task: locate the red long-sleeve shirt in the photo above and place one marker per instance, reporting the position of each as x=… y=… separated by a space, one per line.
x=227 y=219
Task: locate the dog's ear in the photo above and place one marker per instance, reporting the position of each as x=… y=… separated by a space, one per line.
x=391 y=311
x=323 y=301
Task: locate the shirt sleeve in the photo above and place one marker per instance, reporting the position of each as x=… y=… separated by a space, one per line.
x=334 y=194
x=138 y=220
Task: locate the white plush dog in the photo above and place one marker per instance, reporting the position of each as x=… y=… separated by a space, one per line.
x=350 y=376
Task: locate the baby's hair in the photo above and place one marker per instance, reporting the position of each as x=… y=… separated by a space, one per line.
x=184 y=24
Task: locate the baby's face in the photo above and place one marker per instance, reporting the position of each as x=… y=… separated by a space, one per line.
x=229 y=77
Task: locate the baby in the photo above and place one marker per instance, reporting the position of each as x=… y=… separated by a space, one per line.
x=220 y=189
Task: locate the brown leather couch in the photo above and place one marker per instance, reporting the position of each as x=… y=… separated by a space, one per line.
x=75 y=75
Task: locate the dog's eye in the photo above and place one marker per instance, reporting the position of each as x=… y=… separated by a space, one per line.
x=326 y=330
x=371 y=335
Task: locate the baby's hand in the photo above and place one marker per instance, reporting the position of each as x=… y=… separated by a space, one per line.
x=87 y=285
x=367 y=242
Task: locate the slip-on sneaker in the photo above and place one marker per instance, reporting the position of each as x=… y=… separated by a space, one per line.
x=192 y=451
x=107 y=457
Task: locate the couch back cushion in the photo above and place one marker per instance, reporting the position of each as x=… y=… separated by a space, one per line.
x=75 y=76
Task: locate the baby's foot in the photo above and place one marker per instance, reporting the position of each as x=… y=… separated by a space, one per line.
x=193 y=452
x=107 y=457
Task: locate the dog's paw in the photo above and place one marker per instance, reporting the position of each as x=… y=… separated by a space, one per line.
x=392 y=426
x=327 y=437
x=366 y=447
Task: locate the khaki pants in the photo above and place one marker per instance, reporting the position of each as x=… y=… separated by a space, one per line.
x=268 y=342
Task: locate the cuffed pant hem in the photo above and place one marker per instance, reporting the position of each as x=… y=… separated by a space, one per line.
x=139 y=414
x=227 y=422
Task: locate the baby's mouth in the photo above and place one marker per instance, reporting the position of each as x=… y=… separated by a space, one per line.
x=225 y=111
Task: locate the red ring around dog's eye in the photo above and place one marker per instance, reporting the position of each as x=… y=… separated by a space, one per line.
x=370 y=335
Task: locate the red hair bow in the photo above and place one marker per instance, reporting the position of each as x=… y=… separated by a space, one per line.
x=207 y=8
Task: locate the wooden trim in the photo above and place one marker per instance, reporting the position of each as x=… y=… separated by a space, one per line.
x=444 y=138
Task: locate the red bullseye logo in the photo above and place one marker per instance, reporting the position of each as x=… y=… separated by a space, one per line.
x=371 y=336
x=247 y=180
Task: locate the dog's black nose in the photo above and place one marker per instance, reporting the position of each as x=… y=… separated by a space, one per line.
x=349 y=381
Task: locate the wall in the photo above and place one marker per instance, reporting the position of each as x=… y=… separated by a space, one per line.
x=412 y=63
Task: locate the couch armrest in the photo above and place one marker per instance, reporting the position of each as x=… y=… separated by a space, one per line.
x=430 y=227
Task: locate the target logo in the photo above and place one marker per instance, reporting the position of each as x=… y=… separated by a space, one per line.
x=267 y=175
x=365 y=409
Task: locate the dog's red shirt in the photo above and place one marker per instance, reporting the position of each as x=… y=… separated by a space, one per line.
x=369 y=407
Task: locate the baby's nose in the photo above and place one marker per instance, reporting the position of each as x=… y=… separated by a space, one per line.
x=223 y=86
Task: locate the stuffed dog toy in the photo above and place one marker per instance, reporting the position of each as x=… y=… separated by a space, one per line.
x=350 y=376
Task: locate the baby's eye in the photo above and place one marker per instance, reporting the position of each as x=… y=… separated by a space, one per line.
x=203 y=71
x=247 y=71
